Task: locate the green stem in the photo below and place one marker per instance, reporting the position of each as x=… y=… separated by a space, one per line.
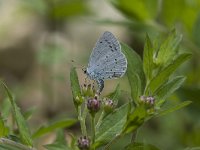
x=93 y=128
x=134 y=136
x=82 y=121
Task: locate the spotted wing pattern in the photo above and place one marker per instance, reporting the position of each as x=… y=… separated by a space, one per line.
x=106 y=60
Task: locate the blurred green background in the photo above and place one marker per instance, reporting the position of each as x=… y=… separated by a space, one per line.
x=39 y=38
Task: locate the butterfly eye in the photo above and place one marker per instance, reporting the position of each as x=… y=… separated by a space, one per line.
x=84 y=70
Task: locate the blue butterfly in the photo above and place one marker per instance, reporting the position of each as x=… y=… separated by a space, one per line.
x=106 y=60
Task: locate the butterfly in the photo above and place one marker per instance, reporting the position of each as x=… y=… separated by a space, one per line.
x=106 y=60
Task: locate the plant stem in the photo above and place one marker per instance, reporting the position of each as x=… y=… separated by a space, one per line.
x=100 y=119
x=134 y=136
x=14 y=144
x=82 y=121
x=93 y=128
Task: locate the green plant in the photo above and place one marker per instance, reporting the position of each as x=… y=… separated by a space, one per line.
x=151 y=80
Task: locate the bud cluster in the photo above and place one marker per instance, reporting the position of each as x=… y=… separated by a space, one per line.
x=108 y=105
x=83 y=143
x=93 y=105
x=148 y=100
x=88 y=90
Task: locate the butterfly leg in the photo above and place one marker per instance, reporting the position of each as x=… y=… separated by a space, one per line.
x=100 y=83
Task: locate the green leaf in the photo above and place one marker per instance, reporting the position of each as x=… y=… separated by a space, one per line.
x=111 y=126
x=115 y=94
x=196 y=31
x=136 y=9
x=169 y=88
x=181 y=11
x=135 y=119
x=140 y=146
x=7 y=144
x=135 y=72
x=28 y=114
x=3 y=129
x=148 y=58
x=168 y=49
x=6 y=108
x=174 y=108
x=59 y=124
x=24 y=131
x=164 y=75
x=75 y=87
x=57 y=146
x=60 y=138
x=60 y=142
x=69 y=8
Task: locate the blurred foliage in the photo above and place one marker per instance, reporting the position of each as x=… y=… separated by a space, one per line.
x=56 y=12
x=57 y=9
x=155 y=17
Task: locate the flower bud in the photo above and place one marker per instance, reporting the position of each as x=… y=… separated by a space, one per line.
x=88 y=90
x=150 y=100
x=93 y=105
x=142 y=99
x=108 y=106
x=83 y=143
x=147 y=100
x=78 y=100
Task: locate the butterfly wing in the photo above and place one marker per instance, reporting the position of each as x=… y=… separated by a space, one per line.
x=106 y=60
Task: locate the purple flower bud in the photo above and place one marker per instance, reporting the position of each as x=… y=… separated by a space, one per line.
x=108 y=106
x=93 y=105
x=150 y=100
x=83 y=143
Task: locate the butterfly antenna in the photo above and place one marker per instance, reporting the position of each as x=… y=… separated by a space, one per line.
x=73 y=63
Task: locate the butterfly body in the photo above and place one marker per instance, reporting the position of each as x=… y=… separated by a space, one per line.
x=106 y=60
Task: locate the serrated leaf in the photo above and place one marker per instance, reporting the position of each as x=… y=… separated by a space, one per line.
x=135 y=72
x=24 y=131
x=111 y=126
x=49 y=128
x=174 y=108
x=169 y=88
x=164 y=75
x=168 y=49
x=140 y=146
x=135 y=119
x=75 y=87
x=148 y=58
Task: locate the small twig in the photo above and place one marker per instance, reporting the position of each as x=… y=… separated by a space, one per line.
x=14 y=144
